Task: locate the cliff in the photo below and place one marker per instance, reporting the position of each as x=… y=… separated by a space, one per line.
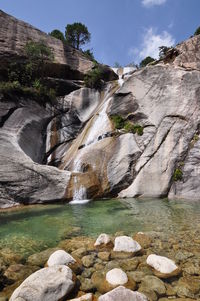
x=73 y=148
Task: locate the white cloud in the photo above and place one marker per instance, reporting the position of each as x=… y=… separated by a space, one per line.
x=149 y=3
x=150 y=44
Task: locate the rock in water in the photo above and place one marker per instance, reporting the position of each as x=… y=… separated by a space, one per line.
x=102 y=239
x=123 y=294
x=116 y=277
x=126 y=244
x=48 y=284
x=60 y=257
x=163 y=266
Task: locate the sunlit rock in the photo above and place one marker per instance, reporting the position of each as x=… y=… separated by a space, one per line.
x=163 y=266
x=126 y=244
x=121 y=293
x=116 y=277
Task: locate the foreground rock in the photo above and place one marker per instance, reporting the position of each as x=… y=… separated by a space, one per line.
x=121 y=293
x=116 y=277
x=163 y=266
x=102 y=239
x=53 y=283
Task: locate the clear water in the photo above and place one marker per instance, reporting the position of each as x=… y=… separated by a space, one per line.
x=32 y=229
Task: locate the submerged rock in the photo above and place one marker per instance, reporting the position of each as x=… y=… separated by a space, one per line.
x=52 y=283
x=121 y=293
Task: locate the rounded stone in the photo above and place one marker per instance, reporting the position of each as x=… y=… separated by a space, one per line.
x=116 y=277
x=121 y=293
x=162 y=265
x=60 y=257
x=126 y=244
x=102 y=239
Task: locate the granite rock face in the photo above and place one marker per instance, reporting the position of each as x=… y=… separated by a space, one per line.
x=51 y=152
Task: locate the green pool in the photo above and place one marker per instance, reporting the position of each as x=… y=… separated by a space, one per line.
x=32 y=229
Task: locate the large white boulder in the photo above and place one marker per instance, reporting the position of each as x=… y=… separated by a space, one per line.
x=162 y=265
x=121 y=293
x=126 y=244
x=60 y=257
x=48 y=284
x=102 y=239
x=116 y=277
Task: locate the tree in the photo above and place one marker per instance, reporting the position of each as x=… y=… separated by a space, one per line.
x=37 y=53
x=163 y=51
x=146 y=61
x=57 y=34
x=117 y=65
x=89 y=54
x=77 y=35
x=197 y=32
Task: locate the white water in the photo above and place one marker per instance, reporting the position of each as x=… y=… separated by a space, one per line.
x=123 y=73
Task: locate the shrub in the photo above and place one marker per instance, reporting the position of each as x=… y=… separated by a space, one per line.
x=93 y=79
x=146 y=61
x=118 y=121
x=178 y=174
x=57 y=34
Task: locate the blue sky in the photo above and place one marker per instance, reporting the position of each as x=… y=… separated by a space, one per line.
x=122 y=31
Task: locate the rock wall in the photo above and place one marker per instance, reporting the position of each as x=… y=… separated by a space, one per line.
x=48 y=151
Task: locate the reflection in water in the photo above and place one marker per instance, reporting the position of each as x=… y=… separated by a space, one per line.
x=32 y=229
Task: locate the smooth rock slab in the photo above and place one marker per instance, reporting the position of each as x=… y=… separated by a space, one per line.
x=116 y=277
x=60 y=257
x=121 y=293
x=48 y=284
x=102 y=239
x=126 y=244
x=163 y=266
x=87 y=297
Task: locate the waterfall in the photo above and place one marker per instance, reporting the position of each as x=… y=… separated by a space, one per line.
x=80 y=192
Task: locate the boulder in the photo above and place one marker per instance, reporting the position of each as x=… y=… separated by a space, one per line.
x=87 y=297
x=60 y=257
x=39 y=259
x=121 y=293
x=48 y=284
x=163 y=266
x=152 y=283
x=126 y=244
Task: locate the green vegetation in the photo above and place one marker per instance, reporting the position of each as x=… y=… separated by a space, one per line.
x=197 y=32
x=41 y=94
x=146 y=61
x=57 y=34
x=77 y=34
x=93 y=79
x=163 y=51
x=89 y=54
x=26 y=78
x=120 y=123
x=178 y=174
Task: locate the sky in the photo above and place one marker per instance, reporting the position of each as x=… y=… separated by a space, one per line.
x=122 y=31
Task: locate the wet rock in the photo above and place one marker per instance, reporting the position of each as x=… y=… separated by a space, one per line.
x=152 y=283
x=163 y=266
x=104 y=256
x=88 y=260
x=80 y=252
x=116 y=277
x=102 y=239
x=121 y=293
x=18 y=272
x=188 y=287
x=9 y=257
x=143 y=239
x=86 y=284
x=52 y=283
x=39 y=259
x=129 y=264
x=126 y=244
x=60 y=257
x=137 y=276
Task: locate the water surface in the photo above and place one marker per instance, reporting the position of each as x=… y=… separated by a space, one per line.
x=32 y=229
